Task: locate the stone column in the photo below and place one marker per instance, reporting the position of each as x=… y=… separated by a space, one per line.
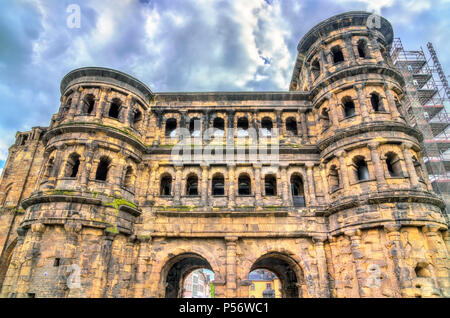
x=426 y=177
x=325 y=62
x=31 y=252
x=63 y=289
x=153 y=185
x=142 y=265
x=326 y=187
x=304 y=127
x=341 y=154
x=101 y=104
x=285 y=184
x=376 y=49
x=58 y=166
x=339 y=289
x=231 y=186
x=99 y=283
x=322 y=267
x=279 y=123
x=396 y=253
x=205 y=183
x=358 y=256
x=349 y=49
x=73 y=110
x=178 y=181
x=332 y=104
x=231 y=244
x=379 y=171
x=311 y=189
x=392 y=107
x=414 y=179
x=362 y=102
x=440 y=257
x=258 y=186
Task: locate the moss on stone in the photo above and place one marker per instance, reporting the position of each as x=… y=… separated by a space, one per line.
x=112 y=230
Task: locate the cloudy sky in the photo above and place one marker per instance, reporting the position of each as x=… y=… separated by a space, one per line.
x=175 y=45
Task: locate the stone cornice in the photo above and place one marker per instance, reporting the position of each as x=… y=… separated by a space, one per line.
x=369 y=127
x=111 y=131
x=105 y=75
x=344 y=20
x=357 y=70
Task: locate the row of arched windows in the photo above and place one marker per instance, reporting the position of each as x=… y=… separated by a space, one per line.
x=360 y=169
x=114 y=109
x=244 y=185
x=337 y=56
x=349 y=109
x=72 y=169
x=219 y=126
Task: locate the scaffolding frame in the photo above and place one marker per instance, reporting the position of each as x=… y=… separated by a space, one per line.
x=427 y=105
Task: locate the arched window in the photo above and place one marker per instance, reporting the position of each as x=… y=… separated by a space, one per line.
x=422 y=270
x=219 y=127
x=242 y=126
x=129 y=178
x=137 y=118
x=297 y=191
x=361 y=169
x=363 y=49
x=291 y=126
x=324 y=118
x=218 y=184
x=114 y=108
x=166 y=185
x=72 y=166
x=393 y=165
x=349 y=106
x=195 y=127
x=376 y=102
x=171 y=126
x=270 y=185
x=192 y=185
x=88 y=104
x=337 y=54
x=266 y=125
x=24 y=140
x=244 y=185
x=333 y=178
x=102 y=169
x=5 y=198
x=315 y=68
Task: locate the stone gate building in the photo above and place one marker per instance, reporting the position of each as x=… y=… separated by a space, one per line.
x=95 y=206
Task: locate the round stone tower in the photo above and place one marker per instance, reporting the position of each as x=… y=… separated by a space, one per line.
x=86 y=191
x=370 y=157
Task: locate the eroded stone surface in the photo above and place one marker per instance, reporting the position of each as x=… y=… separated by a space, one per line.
x=385 y=236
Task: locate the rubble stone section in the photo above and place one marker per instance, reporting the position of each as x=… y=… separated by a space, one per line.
x=94 y=199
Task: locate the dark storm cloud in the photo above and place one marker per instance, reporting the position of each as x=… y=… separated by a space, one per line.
x=173 y=45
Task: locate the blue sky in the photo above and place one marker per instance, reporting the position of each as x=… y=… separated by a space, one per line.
x=175 y=45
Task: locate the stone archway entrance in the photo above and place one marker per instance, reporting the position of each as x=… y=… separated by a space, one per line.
x=286 y=269
x=177 y=269
x=4 y=265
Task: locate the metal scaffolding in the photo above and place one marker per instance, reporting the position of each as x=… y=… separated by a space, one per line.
x=427 y=105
